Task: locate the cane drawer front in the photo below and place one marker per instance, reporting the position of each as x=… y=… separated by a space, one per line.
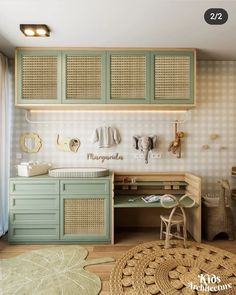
x=85 y=187
x=85 y=218
x=34 y=187
x=48 y=217
x=34 y=202
x=33 y=232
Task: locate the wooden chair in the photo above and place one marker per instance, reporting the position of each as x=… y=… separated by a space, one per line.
x=176 y=218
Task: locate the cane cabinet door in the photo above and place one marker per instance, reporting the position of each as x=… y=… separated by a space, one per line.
x=38 y=77
x=83 y=77
x=172 y=77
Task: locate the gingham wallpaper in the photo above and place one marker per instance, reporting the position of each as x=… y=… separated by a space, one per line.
x=215 y=114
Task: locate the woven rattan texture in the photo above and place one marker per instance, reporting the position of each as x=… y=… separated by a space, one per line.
x=128 y=77
x=151 y=269
x=39 y=77
x=83 y=77
x=172 y=77
x=84 y=216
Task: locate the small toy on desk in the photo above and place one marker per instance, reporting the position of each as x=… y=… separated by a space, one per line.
x=151 y=199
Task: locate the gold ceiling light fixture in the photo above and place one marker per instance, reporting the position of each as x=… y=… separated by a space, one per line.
x=35 y=30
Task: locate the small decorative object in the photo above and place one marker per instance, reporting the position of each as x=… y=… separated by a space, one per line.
x=205 y=147
x=175 y=145
x=145 y=144
x=126 y=179
x=30 y=142
x=106 y=136
x=68 y=144
x=223 y=147
x=28 y=169
x=133 y=180
x=214 y=136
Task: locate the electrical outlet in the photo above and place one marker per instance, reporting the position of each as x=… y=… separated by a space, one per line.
x=156 y=156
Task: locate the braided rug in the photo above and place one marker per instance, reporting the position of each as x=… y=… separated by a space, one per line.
x=150 y=269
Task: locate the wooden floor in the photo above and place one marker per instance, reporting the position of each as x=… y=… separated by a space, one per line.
x=124 y=241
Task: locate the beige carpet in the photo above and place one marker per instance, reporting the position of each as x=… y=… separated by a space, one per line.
x=52 y=271
x=197 y=269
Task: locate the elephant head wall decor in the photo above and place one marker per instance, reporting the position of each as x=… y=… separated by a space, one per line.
x=145 y=144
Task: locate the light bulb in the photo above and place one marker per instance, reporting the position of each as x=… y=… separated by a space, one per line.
x=41 y=32
x=29 y=32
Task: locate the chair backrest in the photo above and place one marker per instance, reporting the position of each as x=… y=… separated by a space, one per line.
x=178 y=204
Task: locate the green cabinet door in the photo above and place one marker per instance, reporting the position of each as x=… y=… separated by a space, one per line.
x=128 y=76
x=85 y=218
x=83 y=77
x=172 y=77
x=38 y=77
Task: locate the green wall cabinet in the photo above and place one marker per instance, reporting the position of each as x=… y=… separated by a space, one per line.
x=122 y=79
x=44 y=209
x=172 y=77
x=38 y=77
x=83 y=77
x=127 y=77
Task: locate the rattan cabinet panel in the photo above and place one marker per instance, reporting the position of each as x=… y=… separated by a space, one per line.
x=127 y=77
x=172 y=77
x=83 y=77
x=85 y=218
x=38 y=77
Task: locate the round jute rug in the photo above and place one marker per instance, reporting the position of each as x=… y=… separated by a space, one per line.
x=197 y=269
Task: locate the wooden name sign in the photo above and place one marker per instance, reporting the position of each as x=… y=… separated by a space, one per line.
x=91 y=156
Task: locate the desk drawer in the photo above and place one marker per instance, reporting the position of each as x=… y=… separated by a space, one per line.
x=34 y=187
x=37 y=202
x=35 y=232
x=84 y=187
x=34 y=217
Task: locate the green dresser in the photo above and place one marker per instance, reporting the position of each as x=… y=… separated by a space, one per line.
x=54 y=210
